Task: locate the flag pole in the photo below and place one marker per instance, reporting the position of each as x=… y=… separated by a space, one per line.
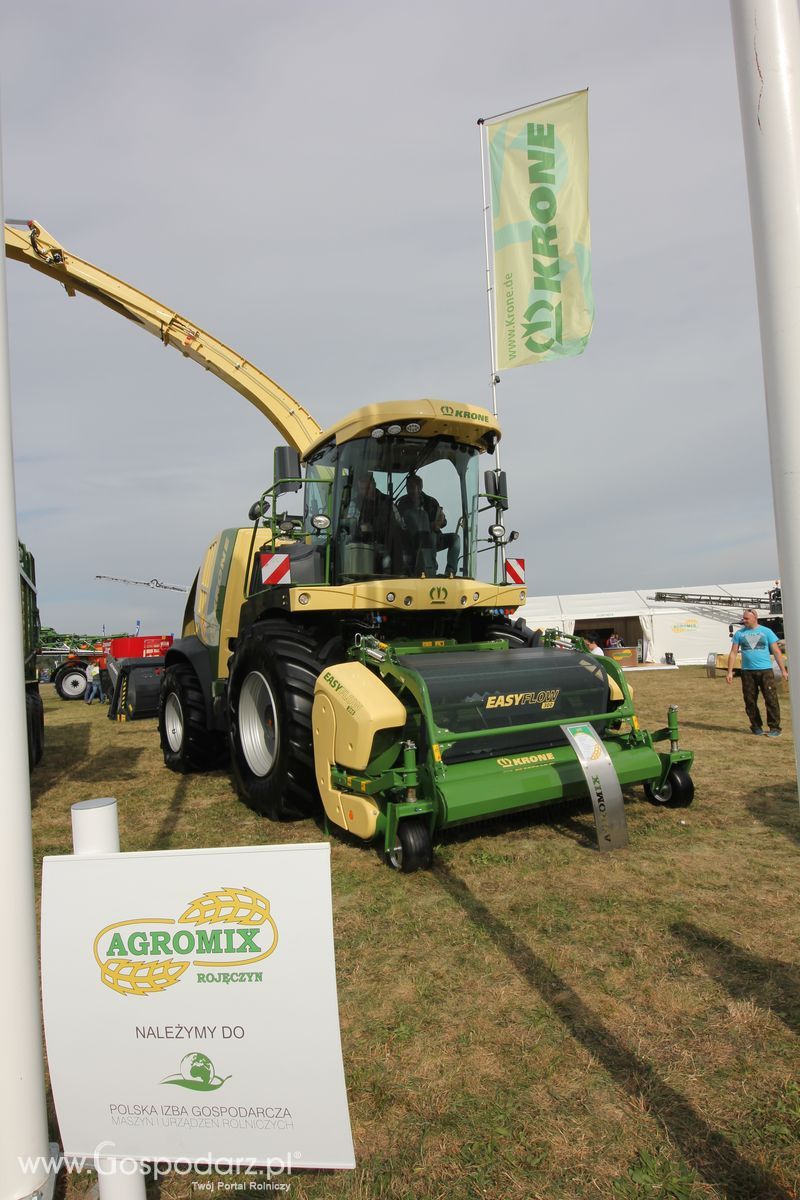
x=495 y=378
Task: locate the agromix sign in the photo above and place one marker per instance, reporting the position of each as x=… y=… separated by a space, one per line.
x=170 y=976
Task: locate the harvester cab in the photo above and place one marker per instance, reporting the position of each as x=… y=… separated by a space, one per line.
x=356 y=643
x=390 y=493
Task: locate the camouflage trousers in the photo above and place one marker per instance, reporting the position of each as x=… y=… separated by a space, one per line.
x=754 y=682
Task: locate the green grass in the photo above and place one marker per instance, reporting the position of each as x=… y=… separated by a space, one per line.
x=532 y=1019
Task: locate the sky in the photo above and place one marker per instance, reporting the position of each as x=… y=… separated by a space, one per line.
x=302 y=179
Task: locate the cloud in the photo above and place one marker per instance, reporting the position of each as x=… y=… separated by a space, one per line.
x=304 y=181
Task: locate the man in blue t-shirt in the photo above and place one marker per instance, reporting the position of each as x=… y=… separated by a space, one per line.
x=757 y=643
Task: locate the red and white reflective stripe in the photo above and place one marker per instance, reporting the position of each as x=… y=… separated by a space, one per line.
x=276 y=568
x=515 y=570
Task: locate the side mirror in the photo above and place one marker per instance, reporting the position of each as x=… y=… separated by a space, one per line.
x=494 y=484
x=258 y=509
x=287 y=467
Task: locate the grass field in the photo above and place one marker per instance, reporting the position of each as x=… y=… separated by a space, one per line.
x=532 y=1019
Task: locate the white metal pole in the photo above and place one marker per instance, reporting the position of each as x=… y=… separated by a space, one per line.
x=489 y=286
x=95 y=830
x=766 y=36
x=23 y=1112
x=487 y=230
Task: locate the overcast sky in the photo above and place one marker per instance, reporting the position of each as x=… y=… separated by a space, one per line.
x=302 y=179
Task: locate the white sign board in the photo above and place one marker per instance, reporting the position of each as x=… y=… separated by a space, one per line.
x=190 y=1007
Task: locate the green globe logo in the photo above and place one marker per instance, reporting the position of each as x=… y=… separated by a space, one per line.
x=197 y=1066
x=196 y=1073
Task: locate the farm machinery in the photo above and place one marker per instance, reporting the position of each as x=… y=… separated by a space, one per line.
x=34 y=709
x=346 y=649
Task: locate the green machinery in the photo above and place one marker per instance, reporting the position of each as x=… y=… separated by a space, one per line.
x=477 y=733
x=34 y=709
x=338 y=651
x=357 y=646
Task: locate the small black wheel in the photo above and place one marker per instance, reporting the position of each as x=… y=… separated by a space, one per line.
x=677 y=790
x=186 y=742
x=413 y=850
x=71 y=682
x=270 y=696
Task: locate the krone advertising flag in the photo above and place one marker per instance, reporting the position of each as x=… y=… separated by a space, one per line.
x=539 y=171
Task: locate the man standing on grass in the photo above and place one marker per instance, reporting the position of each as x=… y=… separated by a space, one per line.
x=756 y=643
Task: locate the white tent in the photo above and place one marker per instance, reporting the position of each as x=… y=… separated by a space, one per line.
x=689 y=632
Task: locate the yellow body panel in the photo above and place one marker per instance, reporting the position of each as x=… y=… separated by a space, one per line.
x=40 y=250
x=469 y=426
x=217 y=572
x=351 y=705
x=426 y=595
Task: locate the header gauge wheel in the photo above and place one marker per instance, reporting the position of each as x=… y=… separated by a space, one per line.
x=677 y=791
x=413 y=850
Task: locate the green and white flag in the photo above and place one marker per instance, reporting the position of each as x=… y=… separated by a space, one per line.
x=539 y=170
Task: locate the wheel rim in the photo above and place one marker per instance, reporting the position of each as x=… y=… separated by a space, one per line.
x=173 y=722
x=396 y=857
x=664 y=793
x=258 y=724
x=74 y=682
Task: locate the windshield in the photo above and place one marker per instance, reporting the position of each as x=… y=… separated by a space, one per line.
x=400 y=506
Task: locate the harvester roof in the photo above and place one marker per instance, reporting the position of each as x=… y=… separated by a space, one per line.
x=471 y=426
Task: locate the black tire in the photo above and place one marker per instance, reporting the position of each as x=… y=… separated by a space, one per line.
x=413 y=850
x=38 y=727
x=186 y=742
x=70 y=681
x=30 y=721
x=270 y=695
x=677 y=791
x=517 y=633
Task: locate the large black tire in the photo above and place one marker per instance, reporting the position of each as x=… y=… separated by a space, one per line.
x=30 y=721
x=413 y=851
x=38 y=727
x=677 y=792
x=186 y=742
x=70 y=681
x=517 y=633
x=270 y=695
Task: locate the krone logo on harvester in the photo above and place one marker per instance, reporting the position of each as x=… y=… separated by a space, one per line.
x=223 y=934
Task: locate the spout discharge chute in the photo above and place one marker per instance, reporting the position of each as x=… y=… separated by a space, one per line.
x=33 y=245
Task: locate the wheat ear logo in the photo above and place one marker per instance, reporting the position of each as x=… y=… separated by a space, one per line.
x=229 y=928
x=197 y=1073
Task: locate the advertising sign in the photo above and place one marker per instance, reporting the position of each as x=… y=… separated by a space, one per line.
x=190 y=1007
x=539 y=170
x=601 y=779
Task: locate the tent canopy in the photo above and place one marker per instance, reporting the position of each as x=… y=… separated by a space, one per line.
x=687 y=631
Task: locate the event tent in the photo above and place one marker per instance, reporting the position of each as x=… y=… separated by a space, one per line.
x=689 y=632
